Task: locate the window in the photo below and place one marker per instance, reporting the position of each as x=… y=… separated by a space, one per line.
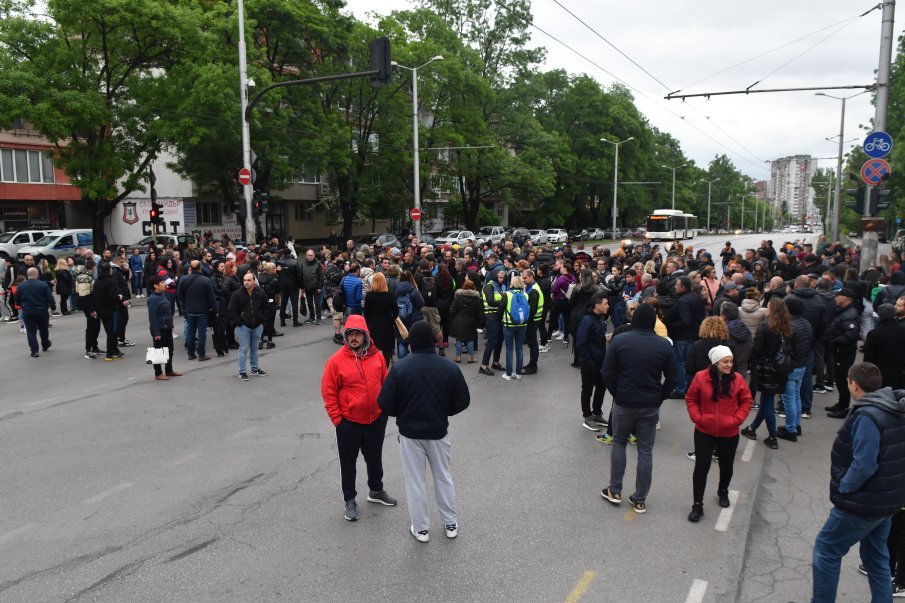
x=306 y=174
x=21 y=165
x=208 y=213
x=304 y=212
x=22 y=238
x=64 y=241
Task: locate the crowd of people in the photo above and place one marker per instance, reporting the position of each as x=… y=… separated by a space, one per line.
x=645 y=322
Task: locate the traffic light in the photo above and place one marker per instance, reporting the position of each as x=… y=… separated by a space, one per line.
x=156 y=210
x=265 y=198
x=259 y=203
x=858 y=203
x=381 y=62
x=239 y=207
x=877 y=201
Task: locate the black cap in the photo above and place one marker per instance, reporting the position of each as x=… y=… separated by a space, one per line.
x=847 y=293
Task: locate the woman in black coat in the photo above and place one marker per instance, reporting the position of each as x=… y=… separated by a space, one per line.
x=581 y=297
x=445 y=291
x=713 y=332
x=380 y=312
x=64 y=284
x=465 y=314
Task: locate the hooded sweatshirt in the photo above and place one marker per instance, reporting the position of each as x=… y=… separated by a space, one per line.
x=752 y=314
x=352 y=379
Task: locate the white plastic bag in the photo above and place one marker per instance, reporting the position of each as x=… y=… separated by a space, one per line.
x=157 y=356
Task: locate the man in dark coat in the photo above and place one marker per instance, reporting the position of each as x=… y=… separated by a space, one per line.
x=843 y=336
x=422 y=416
x=106 y=298
x=35 y=300
x=883 y=347
x=683 y=323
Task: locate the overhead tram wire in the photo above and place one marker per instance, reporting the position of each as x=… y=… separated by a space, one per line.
x=757 y=163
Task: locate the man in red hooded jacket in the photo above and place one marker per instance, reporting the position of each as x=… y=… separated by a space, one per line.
x=352 y=380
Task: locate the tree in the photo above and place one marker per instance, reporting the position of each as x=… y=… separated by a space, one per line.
x=91 y=77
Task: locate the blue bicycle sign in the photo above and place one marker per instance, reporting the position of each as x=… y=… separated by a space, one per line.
x=877 y=144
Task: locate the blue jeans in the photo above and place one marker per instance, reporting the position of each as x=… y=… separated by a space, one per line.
x=196 y=329
x=248 y=342
x=840 y=533
x=619 y=313
x=138 y=279
x=680 y=348
x=402 y=348
x=642 y=422
x=469 y=346
x=766 y=413
x=73 y=302
x=514 y=335
x=791 y=399
x=807 y=384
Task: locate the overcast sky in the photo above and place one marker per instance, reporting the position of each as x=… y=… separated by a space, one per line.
x=683 y=42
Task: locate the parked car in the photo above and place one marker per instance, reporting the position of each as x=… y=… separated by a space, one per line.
x=596 y=234
x=182 y=239
x=11 y=242
x=578 y=234
x=520 y=235
x=538 y=236
x=494 y=234
x=386 y=240
x=429 y=238
x=557 y=235
x=61 y=243
x=455 y=237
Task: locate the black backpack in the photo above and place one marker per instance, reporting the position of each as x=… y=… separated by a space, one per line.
x=429 y=290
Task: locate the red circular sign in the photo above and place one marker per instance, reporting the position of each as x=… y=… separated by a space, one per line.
x=244 y=176
x=415 y=214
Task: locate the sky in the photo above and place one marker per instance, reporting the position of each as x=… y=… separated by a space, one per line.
x=710 y=46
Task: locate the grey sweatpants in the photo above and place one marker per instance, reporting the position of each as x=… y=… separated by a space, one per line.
x=437 y=454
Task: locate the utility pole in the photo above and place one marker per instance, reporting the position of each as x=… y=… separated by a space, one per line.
x=246 y=136
x=870 y=241
x=709 y=184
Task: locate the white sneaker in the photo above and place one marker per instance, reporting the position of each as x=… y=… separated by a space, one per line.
x=558 y=335
x=543 y=349
x=452 y=530
x=516 y=376
x=658 y=425
x=506 y=377
x=421 y=536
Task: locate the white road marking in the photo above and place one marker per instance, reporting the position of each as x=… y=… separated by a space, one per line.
x=242 y=433
x=43 y=401
x=10 y=535
x=749 y=451
x=696 y=592
x=102 y=385
x=102 y=495
x=722 y=522
x=182 y=460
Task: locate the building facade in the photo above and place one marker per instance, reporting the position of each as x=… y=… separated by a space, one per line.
x=790 y=185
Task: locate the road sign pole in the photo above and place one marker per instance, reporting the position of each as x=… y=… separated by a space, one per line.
x=246 y=136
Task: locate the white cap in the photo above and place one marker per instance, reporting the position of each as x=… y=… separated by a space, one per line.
x=719 y=352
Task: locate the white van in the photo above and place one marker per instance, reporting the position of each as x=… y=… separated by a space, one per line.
x=59 y=244
x=11 y=242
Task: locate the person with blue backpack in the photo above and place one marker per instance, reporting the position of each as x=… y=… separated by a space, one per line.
x=408 y=305
x=514 y=313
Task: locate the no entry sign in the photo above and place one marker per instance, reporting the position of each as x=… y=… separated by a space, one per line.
x=244 y=176
x=415 y=214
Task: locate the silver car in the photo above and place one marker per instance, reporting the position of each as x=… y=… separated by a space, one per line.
x=538 y=236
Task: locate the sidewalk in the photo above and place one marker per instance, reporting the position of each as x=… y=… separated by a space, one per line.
x=791 y=506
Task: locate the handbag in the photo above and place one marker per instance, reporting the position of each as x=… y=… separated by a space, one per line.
x=157 y=356
x=400 y=326
x=783 y=362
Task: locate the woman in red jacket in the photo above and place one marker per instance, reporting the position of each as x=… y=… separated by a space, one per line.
x=718 y=401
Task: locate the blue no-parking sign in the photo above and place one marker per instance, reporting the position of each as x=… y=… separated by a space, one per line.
x=877 y=144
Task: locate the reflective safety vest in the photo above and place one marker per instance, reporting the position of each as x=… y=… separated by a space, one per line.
x=497 y=296
x=540 y=300
x=507 y=314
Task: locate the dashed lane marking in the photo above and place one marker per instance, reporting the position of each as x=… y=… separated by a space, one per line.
x=722 y=522
x=18 y=531
x=580 y=588
x=182 y=460
x=749 y=451
x=696 y=592
x=106 y=493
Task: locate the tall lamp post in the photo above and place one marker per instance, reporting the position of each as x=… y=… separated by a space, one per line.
x=678 y=167
x=709 y=183
x=417 y=166
x=838 y=194
x=616 y=175
x=246 y=136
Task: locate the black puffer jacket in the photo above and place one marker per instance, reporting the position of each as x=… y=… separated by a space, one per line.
x=844 y=330
x=815 y=310
x=248 y=310
x=802 y=340
x=741 y=343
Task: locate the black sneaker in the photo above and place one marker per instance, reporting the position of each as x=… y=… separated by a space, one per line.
x=833 y=408
x=748 y=433
x=613 y=497
x=838 y=414
x=600 y=420
x=529 y=370
x=485 y=371
x=244 y=377
x=497 y=366
x=784 y=434
x=259 y=372
x=820 y=389
x=638 y=505
x=351 y=513
x=829 y=386
x=676 y=395
x=771 y=443
x=723 y=496
x=697 y=512
x=382 y=498
x=338 y=339
x=898 y=592
x=90 y=355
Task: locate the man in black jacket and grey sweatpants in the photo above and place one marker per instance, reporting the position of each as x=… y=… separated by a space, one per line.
x=422 y=416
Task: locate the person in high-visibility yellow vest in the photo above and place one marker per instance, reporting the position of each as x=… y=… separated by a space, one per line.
x=491 y=295
x=536 y=301
x=515 y=313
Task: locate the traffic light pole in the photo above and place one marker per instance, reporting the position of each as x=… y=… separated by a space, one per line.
x=249 y=225
x=870 y=240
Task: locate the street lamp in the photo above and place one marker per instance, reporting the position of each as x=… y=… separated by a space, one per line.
x=836 y=203
x=417 y=181
x=616 y=174
x=709 y=183
x=678 y=167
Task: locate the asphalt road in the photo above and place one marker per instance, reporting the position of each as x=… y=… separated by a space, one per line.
x=121 y=488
